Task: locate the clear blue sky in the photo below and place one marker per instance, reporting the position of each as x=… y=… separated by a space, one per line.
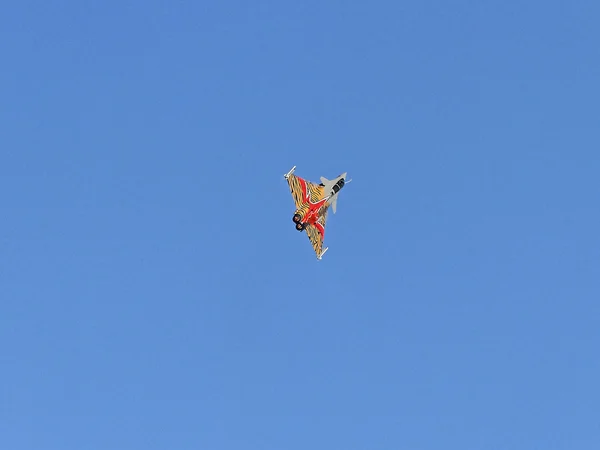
x=155 y=294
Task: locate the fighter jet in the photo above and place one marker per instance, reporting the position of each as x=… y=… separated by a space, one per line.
x=312 y=205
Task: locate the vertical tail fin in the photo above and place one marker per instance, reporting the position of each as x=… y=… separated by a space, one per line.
x=334 y=203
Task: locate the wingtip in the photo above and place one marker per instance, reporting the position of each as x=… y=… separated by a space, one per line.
x=287 y=175
x=322 y=253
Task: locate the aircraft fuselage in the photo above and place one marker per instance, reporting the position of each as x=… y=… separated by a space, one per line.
x=308 y=213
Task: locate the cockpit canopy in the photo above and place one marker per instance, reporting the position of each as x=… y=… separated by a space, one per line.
x=337 y=186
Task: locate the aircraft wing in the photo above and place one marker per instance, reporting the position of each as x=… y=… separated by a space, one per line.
x=303 y=190
x=316 y=234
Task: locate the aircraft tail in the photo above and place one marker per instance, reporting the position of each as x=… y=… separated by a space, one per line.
x=334 y=203
x=329 y=184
